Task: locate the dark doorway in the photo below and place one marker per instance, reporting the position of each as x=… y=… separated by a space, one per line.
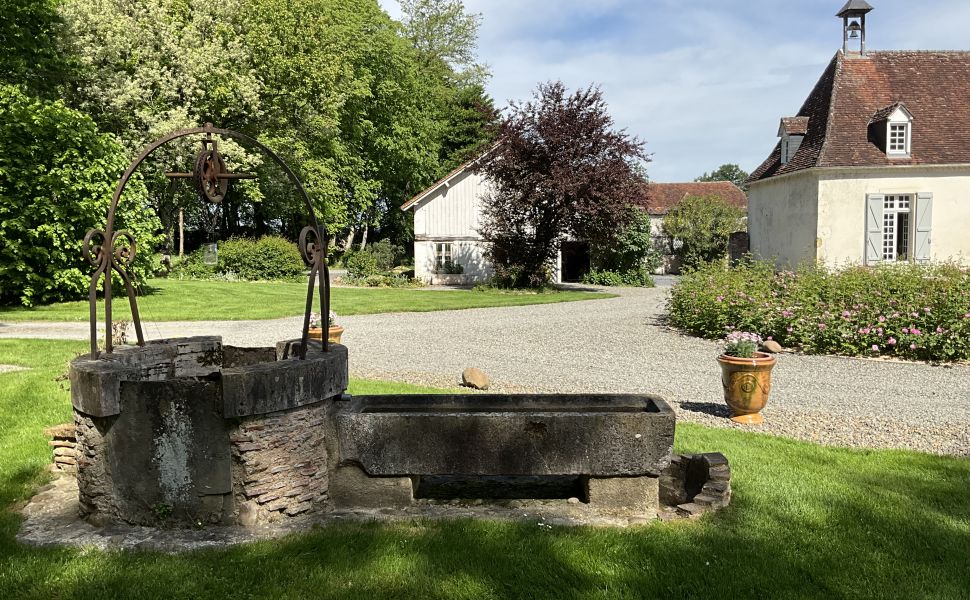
x=575 y=261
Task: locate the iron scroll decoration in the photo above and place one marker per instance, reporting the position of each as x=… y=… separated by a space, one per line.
x=114 y=251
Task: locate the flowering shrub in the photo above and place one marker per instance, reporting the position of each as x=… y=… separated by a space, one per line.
x=909 y=311
x=742 y=344
x=316 y=321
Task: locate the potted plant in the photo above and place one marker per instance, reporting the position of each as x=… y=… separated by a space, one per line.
x=745 y=376
x=334 y=331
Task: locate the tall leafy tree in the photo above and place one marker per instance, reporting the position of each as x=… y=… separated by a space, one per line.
x=29 y=56
x=446 y=38
x=344 y=100
x=727 y=172
x=57 y=176
x=471 y=123
x=560 y=169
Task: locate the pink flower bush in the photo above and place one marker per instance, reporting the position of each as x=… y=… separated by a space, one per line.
x=835 y=312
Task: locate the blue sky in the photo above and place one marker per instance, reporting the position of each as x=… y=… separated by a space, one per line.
x=704 y=82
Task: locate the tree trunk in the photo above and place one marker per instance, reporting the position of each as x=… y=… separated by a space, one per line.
x=363 y=239
x=348 y=242
x=181 y=232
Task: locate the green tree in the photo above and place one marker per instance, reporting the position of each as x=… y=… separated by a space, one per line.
x=345 y=102
x=630 y=248
x=698 y=228
x=727 y=172
x=29 y=56
x=57 y=175
x=470 y=126
x=445 y=36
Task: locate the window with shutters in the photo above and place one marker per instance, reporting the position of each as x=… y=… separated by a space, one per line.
x=896 y=227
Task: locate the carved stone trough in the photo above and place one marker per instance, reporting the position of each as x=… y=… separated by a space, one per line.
x=617 y=444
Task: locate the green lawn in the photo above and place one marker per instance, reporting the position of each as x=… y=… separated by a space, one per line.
x=806 y=521
x=172 y=300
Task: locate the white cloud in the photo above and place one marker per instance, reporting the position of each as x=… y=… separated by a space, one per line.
x=703 y=85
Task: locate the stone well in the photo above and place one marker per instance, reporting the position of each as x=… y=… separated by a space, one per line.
x=191 y=431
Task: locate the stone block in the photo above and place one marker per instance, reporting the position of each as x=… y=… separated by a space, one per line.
x=233 y=357
x=692 y=510
x=198 y=356
x=95 y=386
x=284 y=385
x=168 y=447
x=64 y=431
x=351 y=487
x=624 y=494
x=517 y=434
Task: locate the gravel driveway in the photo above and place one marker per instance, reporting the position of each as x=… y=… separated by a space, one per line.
x=620 y=345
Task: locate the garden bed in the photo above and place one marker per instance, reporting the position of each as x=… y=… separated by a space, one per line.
x=903 y=311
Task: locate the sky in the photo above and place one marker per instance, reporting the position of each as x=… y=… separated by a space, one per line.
x=702 y=82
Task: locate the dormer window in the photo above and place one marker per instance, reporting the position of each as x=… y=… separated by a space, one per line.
x=792 y=131
x=898 y=138
x=891 y=129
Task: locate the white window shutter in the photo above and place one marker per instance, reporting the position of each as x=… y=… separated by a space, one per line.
x=874 y=205
x=924 y=221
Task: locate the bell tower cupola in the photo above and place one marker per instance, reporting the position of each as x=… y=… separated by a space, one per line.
x=853 y=16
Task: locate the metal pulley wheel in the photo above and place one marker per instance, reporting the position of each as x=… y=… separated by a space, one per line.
x=210 y=175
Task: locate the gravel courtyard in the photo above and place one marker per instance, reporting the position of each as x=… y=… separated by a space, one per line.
x=621 y=345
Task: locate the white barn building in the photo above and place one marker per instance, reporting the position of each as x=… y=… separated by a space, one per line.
x=448 y=214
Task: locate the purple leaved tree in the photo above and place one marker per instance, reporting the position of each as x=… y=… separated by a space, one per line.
x=560 y=170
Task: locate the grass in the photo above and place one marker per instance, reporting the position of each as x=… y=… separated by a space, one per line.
x=806 y=521
x=172 y=300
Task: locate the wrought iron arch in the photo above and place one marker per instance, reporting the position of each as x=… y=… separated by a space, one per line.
x=108 y=255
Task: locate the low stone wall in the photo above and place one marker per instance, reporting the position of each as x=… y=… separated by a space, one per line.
x=94 y=489
x=695 y=484
x=63 y=444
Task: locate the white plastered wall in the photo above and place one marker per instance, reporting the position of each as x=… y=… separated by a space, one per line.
x=783 y=219
x=841 y=210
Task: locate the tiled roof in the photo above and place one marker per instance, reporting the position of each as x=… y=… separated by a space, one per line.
x=661 y=197
x=884 y=113
x=794 y=125
x=934 y=87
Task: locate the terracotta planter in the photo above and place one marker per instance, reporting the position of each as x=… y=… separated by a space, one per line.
x=333 y=333
x=746 y=383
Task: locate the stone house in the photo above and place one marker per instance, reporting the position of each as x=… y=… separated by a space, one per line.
x=447 y=216
x=875 y=166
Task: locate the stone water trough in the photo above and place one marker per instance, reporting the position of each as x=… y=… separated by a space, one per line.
x=618 y=445
x=188 y=431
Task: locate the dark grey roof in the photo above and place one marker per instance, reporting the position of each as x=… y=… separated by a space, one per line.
x=854 y=5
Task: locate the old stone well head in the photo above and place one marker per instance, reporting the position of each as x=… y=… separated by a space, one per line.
x=189 y=431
